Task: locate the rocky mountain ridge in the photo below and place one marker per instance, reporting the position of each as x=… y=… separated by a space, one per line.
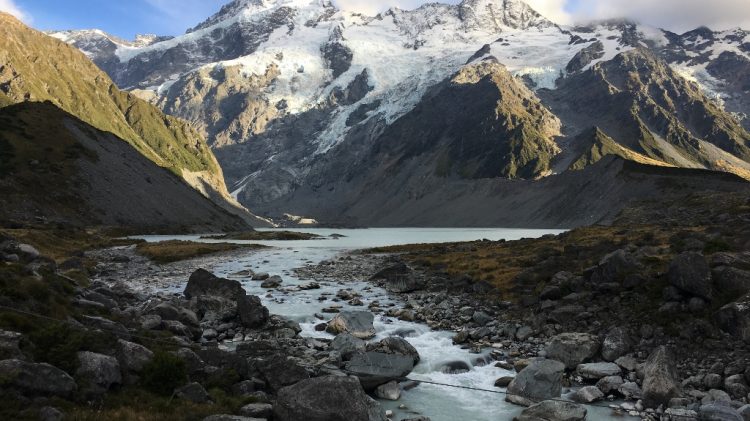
x=287 y=90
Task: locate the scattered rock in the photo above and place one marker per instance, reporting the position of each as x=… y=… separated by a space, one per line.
x=690 y=273
x=541 y=380
x=573 y=349
x=596 y=371
x=357 y=323
x=609 y=384
x=553 y=411
x=257 y=410
x=587 y=394
x=616 y=344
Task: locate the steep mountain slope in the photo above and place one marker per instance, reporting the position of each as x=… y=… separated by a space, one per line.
x=55 y=168
x=35 y=67
x=298 y=98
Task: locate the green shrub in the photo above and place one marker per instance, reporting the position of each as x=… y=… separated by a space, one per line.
x=164 y=373
x=58 y=343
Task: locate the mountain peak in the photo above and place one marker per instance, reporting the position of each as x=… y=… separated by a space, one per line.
x=499 y=14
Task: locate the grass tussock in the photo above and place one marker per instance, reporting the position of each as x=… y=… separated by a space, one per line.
x=175 y=251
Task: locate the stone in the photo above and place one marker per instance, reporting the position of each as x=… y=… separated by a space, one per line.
x=539 y=381
x=347 y=345
x=573 y=349
x=551 y=292
x=553 y=411
x=214 y=309
x=587 y=394
x=261 y=276
x=252 y=313
x=203 y=282
x=718 y=412
x=503 y=381
x=282 y=372
x=609 y=384
x=736 y=386
x=97 y=373
x=630 y=390
x=712 y=380
x=327 y=398
x=132 y=357
x=36 y=379
x=461 y=337
x=481 y=318
x=390 y=391
x=10 y=345
x=744 y=411
x=734 y=318
x=272 y=282
x=399 y=279
x=166 y=311
x=627 y=363
x=731 y=282
x=596 y=371
x=49 y=413
x=524 y=332
x=356 y=323
x=375 y=368
x=616 y=344
x=659 y=378
x=227 y=417
x=257 y=410
x=690 y=272
x=192 y=392
x=150 y=322
x=395 y=345
x=615 y=267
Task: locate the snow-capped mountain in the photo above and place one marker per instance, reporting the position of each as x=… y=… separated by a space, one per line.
x=287 y=89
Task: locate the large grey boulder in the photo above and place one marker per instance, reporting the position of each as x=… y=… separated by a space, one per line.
x=659 y=379
x=211 y=308
x=97 y=373
x=615 y=267
x=395 y=345
x=734 y=318
x=539 y=381
x=690 y=273
x=553 y=411
x=347 y=345
x=573 y=348
x=587 y=394
x=616 y=344
x=252 y=312
x=36 y=379
x=399 y=278
x=731 y=282
x=192 y=392
x=203 y=282
x=133 y=357
x=329 y=398
x=376 y=368
x=280 y=372
x=596 y=371
x=356 y=323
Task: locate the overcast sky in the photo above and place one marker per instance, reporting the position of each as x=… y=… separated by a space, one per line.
x=172 y=17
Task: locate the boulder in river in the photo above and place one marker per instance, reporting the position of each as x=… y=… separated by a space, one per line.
x=36 y=379
x=347 y=345
x=539 y=381
x=395 y=345
x=376 y=368
x=659 y=379
x=328 y=398
x=203 y=282
x=280 y=372
x=573 y=348
x=553 y=411
x=356 y=323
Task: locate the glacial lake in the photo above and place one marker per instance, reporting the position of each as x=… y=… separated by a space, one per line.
x=440 y=403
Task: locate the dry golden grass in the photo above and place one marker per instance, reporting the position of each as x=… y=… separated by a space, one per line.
x=61 y=244
x=174 y=251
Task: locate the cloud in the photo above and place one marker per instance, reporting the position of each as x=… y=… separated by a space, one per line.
x=9 y=6
x=554 y=10
x=676 y=15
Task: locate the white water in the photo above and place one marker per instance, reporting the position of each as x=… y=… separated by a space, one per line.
x=440 y=403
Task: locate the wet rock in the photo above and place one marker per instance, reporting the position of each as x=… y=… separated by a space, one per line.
x=573 y=349
x=455 y=367
x=395 y=345
x=553 y=411
x=272 y=282
x=36 y=379
x=503 y=381
x=203 y=282
x=252 y=313
x=193 y=392
x=97 y=373
x=690 y=273
x=596 y=371
x=390 y=391
x=257 y=410
x=718 y=412
x=347 y=345
x=375 y=368
x=616 y=344
x=357 y=323
x=587 y=394
x=609 y=384
x=541 y=380
x=659 y=379
x=461 y=337
x=328 y=398
x=261 y=276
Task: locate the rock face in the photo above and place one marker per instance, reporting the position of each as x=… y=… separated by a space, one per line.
x=376 y=368
x=97 y=373
x=659 y=379
x=539 y=381
x=690 y=273
x=553 y=411
x=37 y=379
x=329 y=398
x=573 y=348
x=355 y=323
